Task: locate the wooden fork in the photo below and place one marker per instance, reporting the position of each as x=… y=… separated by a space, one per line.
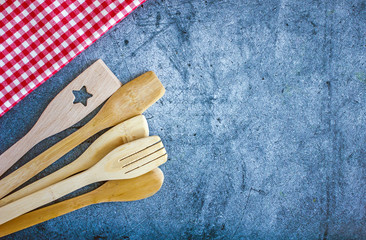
x=127 y=161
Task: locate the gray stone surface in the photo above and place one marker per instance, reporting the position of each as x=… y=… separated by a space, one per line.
x=264 y=120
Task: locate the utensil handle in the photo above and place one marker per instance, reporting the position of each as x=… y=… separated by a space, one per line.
x=43 y=214
x=44 y=182
x=44 y=196
x=37 y=164
x=15 y=152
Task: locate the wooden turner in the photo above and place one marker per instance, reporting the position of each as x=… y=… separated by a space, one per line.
x=62 y=113
x=112 y=191
x=130 y=100
x=124 y=132
x=127 y=161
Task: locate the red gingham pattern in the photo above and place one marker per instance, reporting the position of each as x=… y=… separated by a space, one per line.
x=39 y=37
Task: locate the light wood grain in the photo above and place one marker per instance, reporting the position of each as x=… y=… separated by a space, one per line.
x=130 y=100
x=112 y=191
x=61 y=113
x=127 y=161
x=124 y=132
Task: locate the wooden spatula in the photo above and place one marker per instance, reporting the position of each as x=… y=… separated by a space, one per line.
x=127 y=131
x=130 y=100
x=112 y=191
x=127 y=161
x=62 y=113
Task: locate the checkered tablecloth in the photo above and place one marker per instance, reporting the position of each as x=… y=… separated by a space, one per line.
x=38 y=38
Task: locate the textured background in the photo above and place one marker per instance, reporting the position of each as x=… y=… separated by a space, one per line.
x=264 y=120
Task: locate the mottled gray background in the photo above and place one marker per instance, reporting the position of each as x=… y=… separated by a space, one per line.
x=264 y=120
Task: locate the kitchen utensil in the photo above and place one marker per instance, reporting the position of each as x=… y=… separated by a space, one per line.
x=127 y=161
x=112 y=191
x=61 y=113
x=127 y=131
x=130 y=100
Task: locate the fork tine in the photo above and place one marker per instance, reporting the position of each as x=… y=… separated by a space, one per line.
x=150 y=153
x=148 y=157
x=141 y=153
x=147 y=164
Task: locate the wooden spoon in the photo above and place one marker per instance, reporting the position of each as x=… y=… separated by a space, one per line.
x=124 y=132
x=127 y=161
x=112 y=191
x=130 y=100
x=62 y=113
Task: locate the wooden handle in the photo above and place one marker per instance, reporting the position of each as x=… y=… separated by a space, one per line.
x=42 y=183
x=44 y=196
x=15 y=152
x=43 y=214
x=124 y=132
x=37 y=164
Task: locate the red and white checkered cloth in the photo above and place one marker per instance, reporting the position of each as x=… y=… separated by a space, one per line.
x=39 y=37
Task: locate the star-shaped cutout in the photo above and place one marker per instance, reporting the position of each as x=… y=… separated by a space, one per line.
x=81 y=96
